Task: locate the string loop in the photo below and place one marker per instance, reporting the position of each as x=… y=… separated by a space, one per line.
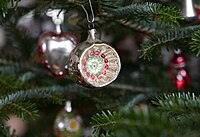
x=91 y=22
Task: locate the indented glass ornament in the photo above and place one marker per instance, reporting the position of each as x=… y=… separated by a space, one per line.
x=54 y=50
x=93 y=63
x=67 y=123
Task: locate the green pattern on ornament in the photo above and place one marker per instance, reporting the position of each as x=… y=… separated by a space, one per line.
x=95 y=65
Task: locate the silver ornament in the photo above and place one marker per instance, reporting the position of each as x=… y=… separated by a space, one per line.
x=54 y=50
x=188 y=10
x=94 y=63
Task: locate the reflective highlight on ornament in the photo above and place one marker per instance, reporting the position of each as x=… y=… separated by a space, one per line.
x=100 y=65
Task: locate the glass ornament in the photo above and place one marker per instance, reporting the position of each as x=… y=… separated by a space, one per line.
x=68 y=123
x=178 y=71
x=94 y=63
x=54 y=50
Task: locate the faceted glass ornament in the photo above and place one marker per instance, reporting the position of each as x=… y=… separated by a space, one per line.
x=68 y=124
x=54 y=50
x=93 y=63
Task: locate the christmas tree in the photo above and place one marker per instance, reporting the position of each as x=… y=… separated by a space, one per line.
x=102 y=68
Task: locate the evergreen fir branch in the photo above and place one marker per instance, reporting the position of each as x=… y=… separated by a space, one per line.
x=182 y=110
x=24 y=109
x=27 y=76
x=41 y=92
x=11 y=69
x=131 y=123
x=148 y=11
x=137 y=26
x=179 y=103
x=165 y=37
x=9 y=83
x=104 y=121
x=195 y=43
x=131 y=88
x=4 y=5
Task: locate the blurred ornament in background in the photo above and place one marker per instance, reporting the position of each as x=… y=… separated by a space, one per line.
x=16 y=125
x=54 y=48
x=188 y=10
x=30 y=25
x=22 y=3
x=178 y=70
x=93 y=63
x=197 y=8
x=2 y=37
x=68 y=123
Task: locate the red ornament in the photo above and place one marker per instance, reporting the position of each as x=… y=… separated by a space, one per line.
x=197 y=8
x=178 y=71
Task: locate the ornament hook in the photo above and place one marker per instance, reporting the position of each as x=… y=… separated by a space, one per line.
x=90 y=21
x=57 y=16
x=68 y=106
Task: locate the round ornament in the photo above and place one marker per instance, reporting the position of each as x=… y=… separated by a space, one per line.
x=67 y=123
x=94 y=63
x=178 y=70
x=16 y=125
x=54 y=50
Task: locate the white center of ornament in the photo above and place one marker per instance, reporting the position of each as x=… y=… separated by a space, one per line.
x=95 y=65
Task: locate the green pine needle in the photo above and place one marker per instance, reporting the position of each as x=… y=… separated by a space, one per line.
x=179 y=103
x=131 y=123
x=163 y=38
x=24 y=109
x=195 y=44
x=148 y=11
x=104 y=121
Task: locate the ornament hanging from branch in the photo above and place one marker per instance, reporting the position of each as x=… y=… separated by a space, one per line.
x=68 y=123
x=178 y=71
x=93 y=63
x=54 y=47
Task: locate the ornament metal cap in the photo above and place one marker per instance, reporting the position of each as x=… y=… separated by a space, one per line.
x=188 y=10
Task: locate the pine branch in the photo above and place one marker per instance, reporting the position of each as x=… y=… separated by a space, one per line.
x=24 y=109
x=148 y=11
x=179 y=103
x=131 y=123
x=43 y=92
x=4 y=5
x=183 y=111
x=104 y=121
x=163 y=38
x=9 y=83
x=27 y=76
x=11 y=69
x=195 y=43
